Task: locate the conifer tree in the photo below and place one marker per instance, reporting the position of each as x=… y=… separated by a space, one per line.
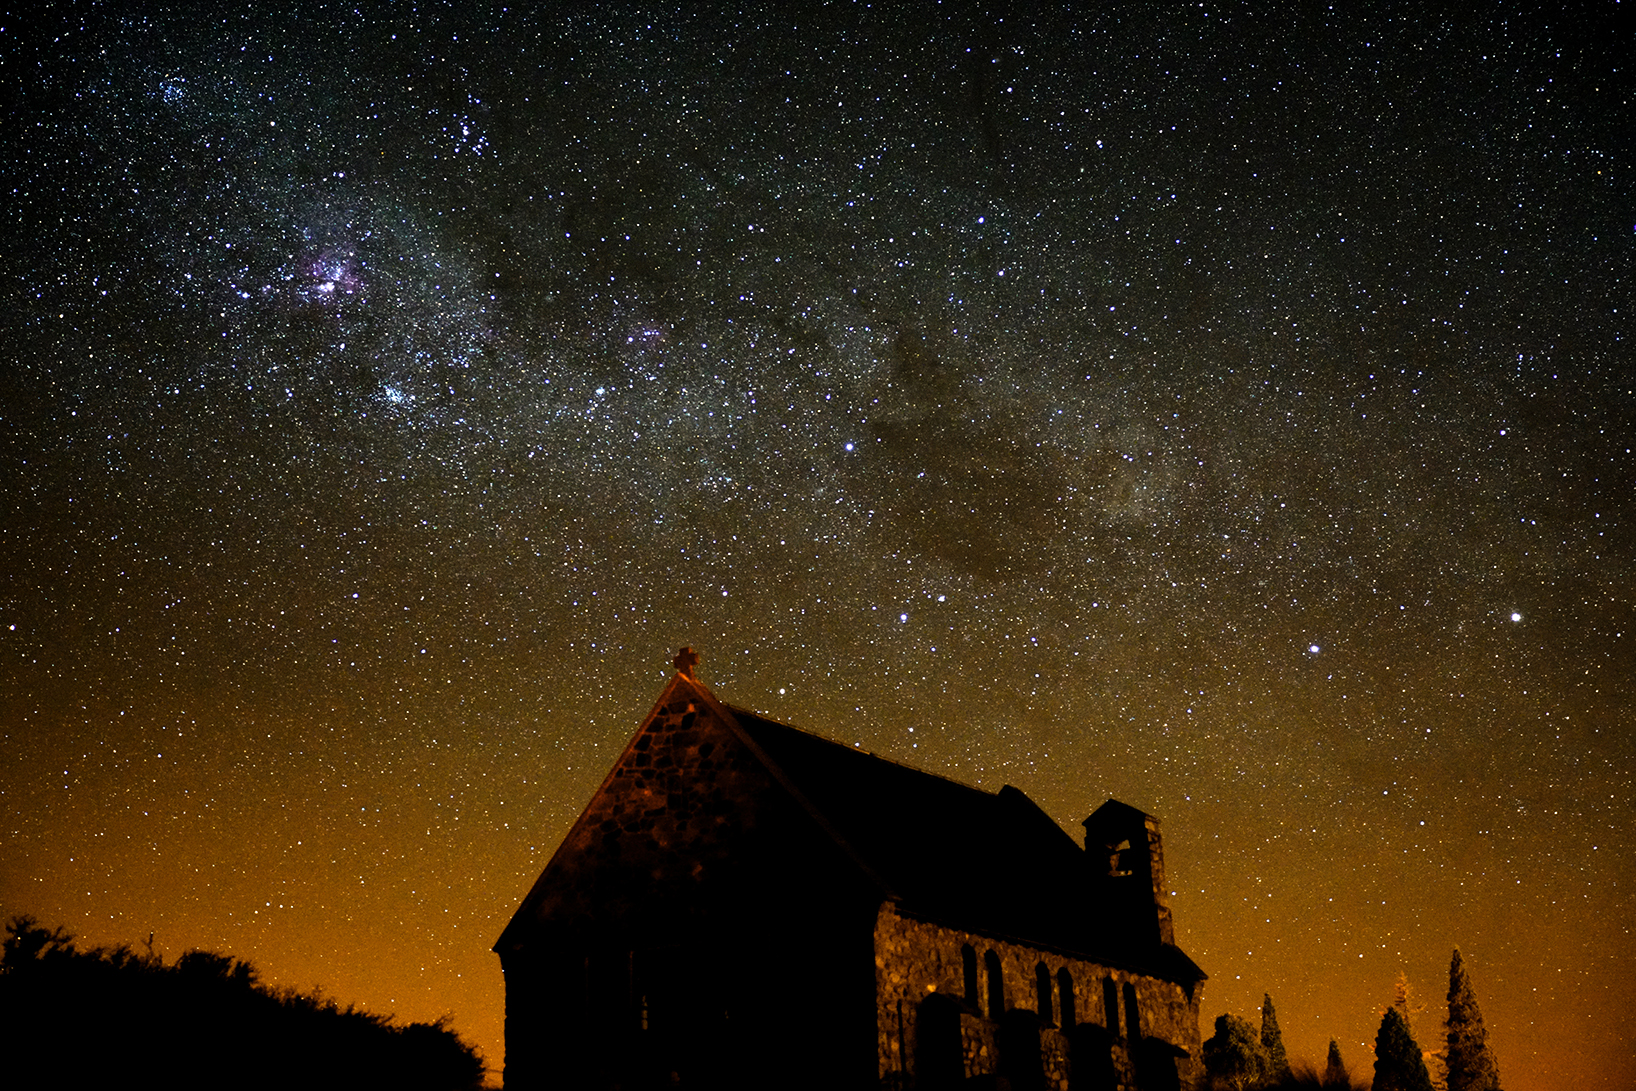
x=1399 y=1065
x=1272 y=1040
x=1336 y=1077
x=1405 y=1001
x=1470 y=1062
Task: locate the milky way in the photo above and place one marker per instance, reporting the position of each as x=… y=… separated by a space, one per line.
x=1223 y=410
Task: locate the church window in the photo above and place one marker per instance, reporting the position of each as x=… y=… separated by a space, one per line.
x=1110 y=1006
x=1065 y=998
x=1133 y=1021
x=1042 y=991
x=968 y=967
x=996 y=984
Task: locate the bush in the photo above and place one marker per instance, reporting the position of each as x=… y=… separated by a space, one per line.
x=108 y=1017
x=1234 y=1059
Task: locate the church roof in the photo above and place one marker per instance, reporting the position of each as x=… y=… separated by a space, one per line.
x=929 y=841
x=991 y=862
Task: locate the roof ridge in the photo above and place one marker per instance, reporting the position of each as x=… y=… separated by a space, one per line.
x=867 y=753
x=729 y=717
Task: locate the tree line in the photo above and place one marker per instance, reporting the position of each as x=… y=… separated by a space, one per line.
x=110 y=1016
x=1239 y=1058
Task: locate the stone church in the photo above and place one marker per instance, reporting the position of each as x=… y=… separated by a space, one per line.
x=743 y=904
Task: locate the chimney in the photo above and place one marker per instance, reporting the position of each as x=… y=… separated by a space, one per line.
x=1125 y=856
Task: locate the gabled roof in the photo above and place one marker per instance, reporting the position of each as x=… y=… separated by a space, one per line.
x=988 y=862
x=929 y=841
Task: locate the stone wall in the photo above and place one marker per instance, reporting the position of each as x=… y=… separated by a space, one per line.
x=683 y=807
x=915 y=959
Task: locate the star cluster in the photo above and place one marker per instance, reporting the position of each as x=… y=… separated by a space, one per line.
x=1225 y=409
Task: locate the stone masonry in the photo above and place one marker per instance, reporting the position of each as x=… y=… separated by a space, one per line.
x=915 y=958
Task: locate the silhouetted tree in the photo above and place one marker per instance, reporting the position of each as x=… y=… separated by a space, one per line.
x=1272 y=1040
x=1471 y=1064
x=1399 y=1065
x=1233 y=1057
x=1404 y=1000
x=27 y=943
x=1336 y=1077
x=1407 y=1001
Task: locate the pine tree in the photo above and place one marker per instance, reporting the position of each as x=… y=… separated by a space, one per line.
x=1470 y=1062
x=1399 y=1065
x=1272 y=1040
x=1405 y=1001
x=1336 y=1077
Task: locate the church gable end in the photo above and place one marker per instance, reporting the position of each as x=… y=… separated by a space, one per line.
x=672 y=818
x=641 y=957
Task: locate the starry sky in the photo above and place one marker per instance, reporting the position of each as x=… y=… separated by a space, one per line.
x=1228 y=409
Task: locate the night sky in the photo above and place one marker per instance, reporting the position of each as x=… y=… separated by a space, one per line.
x=1225 y=409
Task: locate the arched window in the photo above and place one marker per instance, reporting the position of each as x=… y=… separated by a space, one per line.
x=1065 y=998
x=1042 y=992
x=996 y=984
x=1110 y=1006
x=1133 y=1022
x=968 y=969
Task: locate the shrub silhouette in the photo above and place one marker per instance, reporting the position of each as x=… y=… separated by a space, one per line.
x=1303 y=1076
x=109 y=1017
x=1234 y=1059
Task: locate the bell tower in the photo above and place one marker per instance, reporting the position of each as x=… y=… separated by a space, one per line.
x=1125 y=856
